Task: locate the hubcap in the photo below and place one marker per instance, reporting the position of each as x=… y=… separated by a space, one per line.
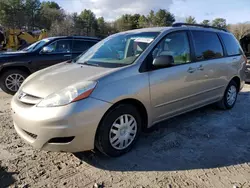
x=231 y=95
x=123 y=132
x=14 y=81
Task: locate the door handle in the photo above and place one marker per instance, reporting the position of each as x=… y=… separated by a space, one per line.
x=201 y=68
x=68 y=55
x=191 y=70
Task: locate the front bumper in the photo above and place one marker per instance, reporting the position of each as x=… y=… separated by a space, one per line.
x=70 y=128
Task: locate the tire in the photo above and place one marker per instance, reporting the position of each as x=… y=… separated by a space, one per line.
x=20 y=75
x=104 y=137
x=225 y=104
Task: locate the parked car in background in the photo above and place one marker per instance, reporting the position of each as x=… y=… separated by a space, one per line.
x=127 y=83
x=248 y=72
x=245 y=44
x=16 y=66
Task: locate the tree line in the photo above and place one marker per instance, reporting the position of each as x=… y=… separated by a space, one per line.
x=218 y=22
x=34 y=14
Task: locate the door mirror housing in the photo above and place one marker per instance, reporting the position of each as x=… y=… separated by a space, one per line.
x=47 y=49
x=163 y=61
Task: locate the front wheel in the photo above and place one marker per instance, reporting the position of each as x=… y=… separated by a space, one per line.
x=118 y=131
x=11 y=80
x=230 y=96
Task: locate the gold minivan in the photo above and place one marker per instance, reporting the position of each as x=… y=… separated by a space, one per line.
x=127 y=83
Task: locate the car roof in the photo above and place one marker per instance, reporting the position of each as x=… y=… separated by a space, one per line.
x=203 y=29
x=73 y=37
x=191 y=27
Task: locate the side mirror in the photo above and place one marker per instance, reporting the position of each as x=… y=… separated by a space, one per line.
x=47 y=49
x=163 y=61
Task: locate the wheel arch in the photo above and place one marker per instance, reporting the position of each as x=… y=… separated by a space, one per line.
x=139 y=106
x=237 y=80
x=18 y=67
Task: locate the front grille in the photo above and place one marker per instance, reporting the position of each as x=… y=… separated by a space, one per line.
x=31 y=134
x=28 y=99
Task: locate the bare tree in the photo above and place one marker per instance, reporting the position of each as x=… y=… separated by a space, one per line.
x=62 y=28
x=240 y=30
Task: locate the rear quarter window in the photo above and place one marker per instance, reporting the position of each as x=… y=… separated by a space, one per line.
x=231 y=44
x=207 y=45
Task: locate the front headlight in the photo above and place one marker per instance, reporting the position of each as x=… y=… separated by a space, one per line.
x=69 y=94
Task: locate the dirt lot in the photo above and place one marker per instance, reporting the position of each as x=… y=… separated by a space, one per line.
x=204 y=148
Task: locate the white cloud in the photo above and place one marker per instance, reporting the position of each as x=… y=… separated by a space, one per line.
x=233 y=11
x=111 y=9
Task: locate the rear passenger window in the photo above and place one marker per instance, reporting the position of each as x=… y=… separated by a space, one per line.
x=232 y=45
x=207 y=45
x=81 y=45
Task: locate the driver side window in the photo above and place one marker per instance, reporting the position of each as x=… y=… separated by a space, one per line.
x=174 y=44
x=61 y=46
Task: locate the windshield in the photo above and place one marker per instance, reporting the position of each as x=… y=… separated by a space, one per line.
x=36 y=45
x=118 y=50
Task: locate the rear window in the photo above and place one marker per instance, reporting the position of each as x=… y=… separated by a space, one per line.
x=207 y=45
x=231 y=43
x=82 y=45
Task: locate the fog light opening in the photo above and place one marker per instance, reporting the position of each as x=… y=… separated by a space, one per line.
x=62 y=140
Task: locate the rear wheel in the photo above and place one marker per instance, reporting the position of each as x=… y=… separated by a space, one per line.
x=11 y=80
x=229 y=99
x=118 y=131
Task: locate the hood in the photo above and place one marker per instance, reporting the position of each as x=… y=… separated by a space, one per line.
x=55 y=78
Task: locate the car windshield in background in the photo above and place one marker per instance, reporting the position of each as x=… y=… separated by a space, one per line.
x=36 y=45
x=118 y=50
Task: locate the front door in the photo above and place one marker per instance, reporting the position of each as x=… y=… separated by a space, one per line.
x=173 y=89
x=62 y=51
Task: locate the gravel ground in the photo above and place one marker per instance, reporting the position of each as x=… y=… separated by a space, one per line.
x=204 y=148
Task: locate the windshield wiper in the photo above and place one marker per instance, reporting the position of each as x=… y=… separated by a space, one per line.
x=87 y=63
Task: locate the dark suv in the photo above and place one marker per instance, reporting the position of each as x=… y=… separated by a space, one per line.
x=16 y=66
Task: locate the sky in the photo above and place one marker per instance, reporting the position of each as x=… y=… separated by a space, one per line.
x=234 y=11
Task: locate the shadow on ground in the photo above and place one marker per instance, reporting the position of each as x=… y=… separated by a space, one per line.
x=204 y=138
x=6 y=178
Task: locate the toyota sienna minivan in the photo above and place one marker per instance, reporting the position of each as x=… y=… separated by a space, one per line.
x=125 y=84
